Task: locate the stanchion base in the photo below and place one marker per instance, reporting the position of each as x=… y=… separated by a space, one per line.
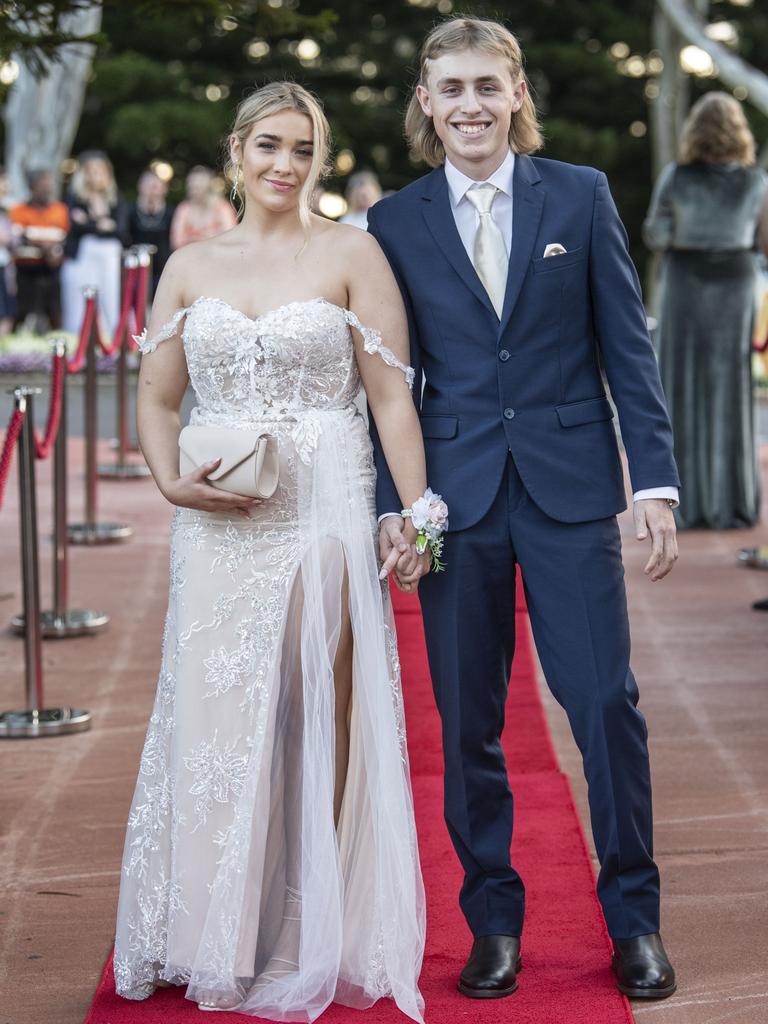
x=76 y=622
x=46 y=722
x=98 y=533
x=124 y=470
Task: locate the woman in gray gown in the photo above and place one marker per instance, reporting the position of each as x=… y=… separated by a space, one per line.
x=707 y=215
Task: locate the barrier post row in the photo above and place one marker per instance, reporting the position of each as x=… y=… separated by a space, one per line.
x=91 y=531
x=122 y=469
x=62 y=621
x=35 y=719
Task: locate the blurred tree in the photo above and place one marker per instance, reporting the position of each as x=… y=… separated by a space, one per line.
x=36 y=32
x=43 y=110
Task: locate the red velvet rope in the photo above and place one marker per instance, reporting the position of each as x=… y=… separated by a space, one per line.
x=76 y=363
x=43 y=447
x=140 y=303
x=6 y=457
x=129 y=290
x=134 y=300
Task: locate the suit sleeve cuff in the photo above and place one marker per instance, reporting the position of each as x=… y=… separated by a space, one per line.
x=668 y=493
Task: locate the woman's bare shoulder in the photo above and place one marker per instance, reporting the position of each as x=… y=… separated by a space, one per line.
x=190 y=266
x=348 y=242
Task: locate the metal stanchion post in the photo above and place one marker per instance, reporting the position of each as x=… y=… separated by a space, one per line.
x=35 y=719
x=122 y=469
x=62 y=621
x=92 y=532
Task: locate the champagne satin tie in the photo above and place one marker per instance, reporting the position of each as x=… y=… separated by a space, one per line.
x=490 y=254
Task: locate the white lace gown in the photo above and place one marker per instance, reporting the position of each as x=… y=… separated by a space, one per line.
x=235 y=881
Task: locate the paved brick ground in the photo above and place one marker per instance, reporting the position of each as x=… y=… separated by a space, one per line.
x=700 y=656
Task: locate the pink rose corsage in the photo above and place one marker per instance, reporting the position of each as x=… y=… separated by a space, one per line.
x=429 y=515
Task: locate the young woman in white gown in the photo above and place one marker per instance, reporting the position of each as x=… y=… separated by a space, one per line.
x=270 y=862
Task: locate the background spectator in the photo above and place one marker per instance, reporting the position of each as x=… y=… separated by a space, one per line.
x=40 y=228
x=204 y=213
x=363 y=190
x=6 y=297
x=93 y=249
x=149 y=221
x=706 y=213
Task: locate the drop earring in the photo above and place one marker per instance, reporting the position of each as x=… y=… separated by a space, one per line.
x=233 y=195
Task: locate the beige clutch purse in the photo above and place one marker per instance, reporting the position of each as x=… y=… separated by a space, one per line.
x=249 y=460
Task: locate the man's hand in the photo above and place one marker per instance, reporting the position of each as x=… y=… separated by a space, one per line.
x=398 y=553
x=392 y=544
x=411 y=567
x=654 y=516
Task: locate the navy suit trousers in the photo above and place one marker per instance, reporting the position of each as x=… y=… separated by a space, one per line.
x=574 y=586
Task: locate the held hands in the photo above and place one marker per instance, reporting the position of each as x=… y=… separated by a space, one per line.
x=654 y=516
x=194 y=491
x=398 y=553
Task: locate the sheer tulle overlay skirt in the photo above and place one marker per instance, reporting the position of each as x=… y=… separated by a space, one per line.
x=236 y=882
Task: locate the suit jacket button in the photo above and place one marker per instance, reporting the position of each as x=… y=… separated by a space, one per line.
x=503 y=355
x=509 y=414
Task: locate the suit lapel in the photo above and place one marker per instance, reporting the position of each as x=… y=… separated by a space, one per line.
x=527 y=206
x=441 y=223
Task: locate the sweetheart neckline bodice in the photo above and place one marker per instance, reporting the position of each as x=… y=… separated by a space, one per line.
x=268 y=312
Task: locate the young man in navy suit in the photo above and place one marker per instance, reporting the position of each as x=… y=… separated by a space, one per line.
x=516 y=278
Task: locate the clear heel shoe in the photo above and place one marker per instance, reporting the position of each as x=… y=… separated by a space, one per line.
x=280 y=965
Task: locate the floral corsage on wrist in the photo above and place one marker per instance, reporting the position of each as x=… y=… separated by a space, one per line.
x=429 y=515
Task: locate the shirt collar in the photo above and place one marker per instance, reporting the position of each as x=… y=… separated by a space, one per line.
x=459 y=183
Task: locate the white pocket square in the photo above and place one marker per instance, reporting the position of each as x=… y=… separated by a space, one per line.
x=554 y=249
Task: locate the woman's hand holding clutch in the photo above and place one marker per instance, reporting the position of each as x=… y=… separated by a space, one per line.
x=194 y=491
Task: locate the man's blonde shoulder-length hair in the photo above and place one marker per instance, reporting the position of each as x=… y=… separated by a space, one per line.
x=471 y=34
x=272 y=99
x=716 y=131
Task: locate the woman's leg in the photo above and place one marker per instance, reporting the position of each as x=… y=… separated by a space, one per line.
x=342 y=675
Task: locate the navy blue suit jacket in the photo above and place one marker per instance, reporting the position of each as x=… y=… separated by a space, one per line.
x=530 y=384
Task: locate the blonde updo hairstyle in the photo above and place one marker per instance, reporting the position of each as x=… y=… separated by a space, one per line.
x=489 y=37
x=272 y=99
x=716 y=131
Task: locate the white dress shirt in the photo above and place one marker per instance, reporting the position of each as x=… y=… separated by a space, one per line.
x=464 y=213
x=467 y=218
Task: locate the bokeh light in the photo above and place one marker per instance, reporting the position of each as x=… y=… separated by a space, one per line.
x=332 y=205
x=345 y=161
x=723 y=32
x=162 y=169
x=308 y=49
x=697 y=62
x=9 y=72
x=257 y=49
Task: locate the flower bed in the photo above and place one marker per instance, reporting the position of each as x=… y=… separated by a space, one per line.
x=25 y=352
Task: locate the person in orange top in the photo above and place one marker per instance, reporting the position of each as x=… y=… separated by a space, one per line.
x=39 y=228
x=203 y=213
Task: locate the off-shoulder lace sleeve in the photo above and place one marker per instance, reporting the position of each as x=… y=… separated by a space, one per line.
x=166 y=331
x=375 y=346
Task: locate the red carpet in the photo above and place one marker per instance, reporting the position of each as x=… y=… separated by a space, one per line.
x=566 y=978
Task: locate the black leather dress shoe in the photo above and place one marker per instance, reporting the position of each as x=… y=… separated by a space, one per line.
x=491 y=968
x=643 y=970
